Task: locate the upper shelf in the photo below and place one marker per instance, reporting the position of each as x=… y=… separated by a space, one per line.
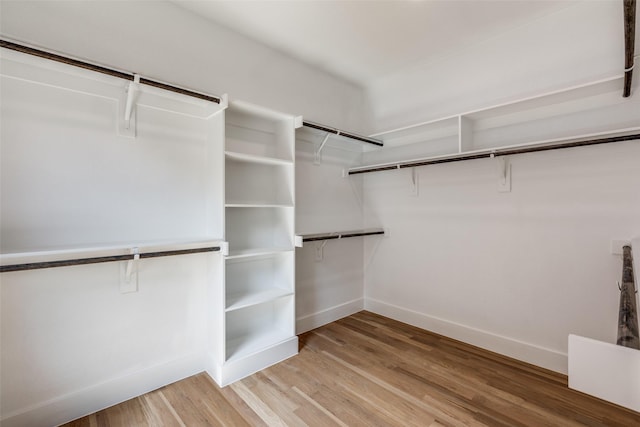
x=251 y=158
x=257 y=134
x=584 y=112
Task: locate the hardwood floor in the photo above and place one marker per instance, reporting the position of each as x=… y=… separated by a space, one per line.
x=367 y=370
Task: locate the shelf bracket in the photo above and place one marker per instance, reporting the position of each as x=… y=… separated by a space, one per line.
x=504 y=173
x=224 y=248
x=129 y=273
x=317 y=155
x=320 y=251
x=127 y=120
x=415 y=180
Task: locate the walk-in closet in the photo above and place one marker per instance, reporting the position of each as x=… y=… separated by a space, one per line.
x=319 y=213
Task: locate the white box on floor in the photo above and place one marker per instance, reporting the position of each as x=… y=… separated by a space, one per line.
x=608 y=371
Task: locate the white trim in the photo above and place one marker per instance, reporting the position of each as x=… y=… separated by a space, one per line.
x=328 y=315
x=526 y=352
x=94 y=398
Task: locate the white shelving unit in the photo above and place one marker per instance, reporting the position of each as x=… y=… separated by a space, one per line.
x=257 y=316
x=577 y=113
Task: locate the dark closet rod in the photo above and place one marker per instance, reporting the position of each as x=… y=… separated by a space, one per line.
x=318 y=237
x=343 y=133
x=629 y=44
x=104 y=70
x=494 y=153
x=97 y=260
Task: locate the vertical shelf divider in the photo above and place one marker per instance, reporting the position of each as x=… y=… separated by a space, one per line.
x=465 y=134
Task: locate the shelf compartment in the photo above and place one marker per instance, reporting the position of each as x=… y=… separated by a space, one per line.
x=258 y=183
x=255 y=280
x=259 y=132
x=253 y=228
x=254 y=328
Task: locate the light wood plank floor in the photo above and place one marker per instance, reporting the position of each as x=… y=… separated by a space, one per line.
x=367 y=370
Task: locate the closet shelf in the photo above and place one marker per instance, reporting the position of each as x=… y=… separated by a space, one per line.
x=248 y=299
x=258 y=341
x=255 y=252
x=65 y=257
x=258 y=205
x=251 y=158
x=587 y=114
x=341 y=234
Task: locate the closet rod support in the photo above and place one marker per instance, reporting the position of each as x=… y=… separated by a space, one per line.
x=317 y=156
x=132 y=91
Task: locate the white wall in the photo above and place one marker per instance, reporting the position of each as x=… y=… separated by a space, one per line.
x=71 y=343
x=332 y=287
x=512 y=272
x=577 y=44
x=163 y=41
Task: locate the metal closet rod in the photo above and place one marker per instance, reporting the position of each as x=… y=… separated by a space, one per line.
x=343 y=133
x=493 y=153
x=98 y=260
x=629 y=44
x=315 y=238
x=104 y=70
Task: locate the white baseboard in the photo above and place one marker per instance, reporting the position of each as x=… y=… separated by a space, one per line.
x=526 y=352
x=86 y=401
x=320 y=318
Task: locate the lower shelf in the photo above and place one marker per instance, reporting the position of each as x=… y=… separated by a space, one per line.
x=243 y=300
x=250 y=344
x=238 y=368
x=256 y=252
x=251 y=329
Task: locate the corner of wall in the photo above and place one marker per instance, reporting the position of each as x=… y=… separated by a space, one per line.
x=526 y=352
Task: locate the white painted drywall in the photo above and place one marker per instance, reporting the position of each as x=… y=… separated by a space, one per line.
x=513 y=272
x=332 y=287
x=71 y=343
x=580 y=43
x=163 y=41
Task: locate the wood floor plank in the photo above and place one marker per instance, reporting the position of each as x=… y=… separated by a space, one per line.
x=368 y=370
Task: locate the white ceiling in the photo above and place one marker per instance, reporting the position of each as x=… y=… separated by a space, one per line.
x=362 y=41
